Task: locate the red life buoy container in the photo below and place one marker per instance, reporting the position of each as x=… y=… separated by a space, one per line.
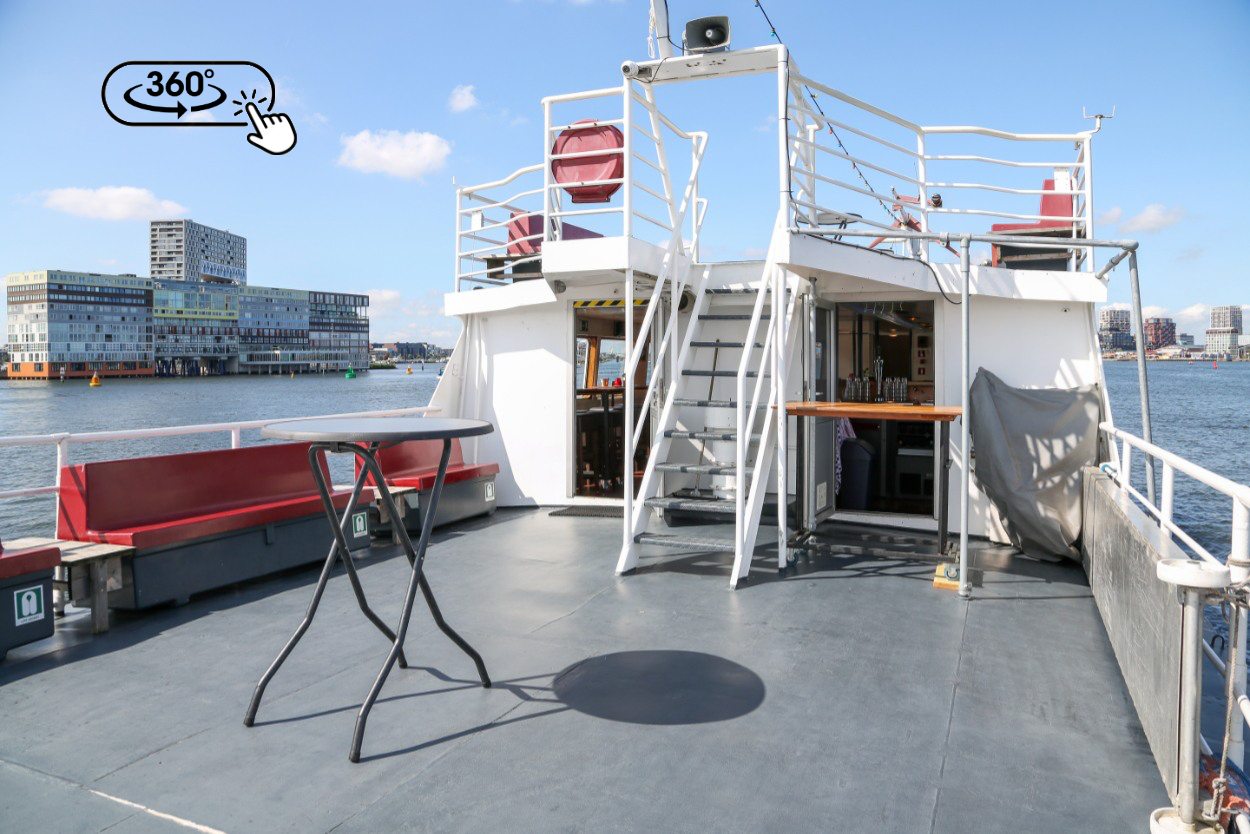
x=606 y=166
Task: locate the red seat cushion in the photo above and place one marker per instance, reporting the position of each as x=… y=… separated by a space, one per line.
x=164 y=533
x=415 y=464
x=161 y=500
x=455 y=474
x=28 y=560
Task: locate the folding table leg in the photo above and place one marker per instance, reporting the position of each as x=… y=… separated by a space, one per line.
x=339 y=527
x=416 y=559
x=313 y=456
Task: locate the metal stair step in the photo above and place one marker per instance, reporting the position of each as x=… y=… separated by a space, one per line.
x=734 y=291
x=720 y=373
x=701 y=343
x=705 y=434
x=724 y=317
x=694 y=403
x=700 y=468
x=704 y=542
x=720 y=505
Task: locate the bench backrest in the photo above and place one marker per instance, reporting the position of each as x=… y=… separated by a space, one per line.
x=415 y=457
x=118 y=494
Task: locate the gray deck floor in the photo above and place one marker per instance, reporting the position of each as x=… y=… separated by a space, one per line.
x=852 y=696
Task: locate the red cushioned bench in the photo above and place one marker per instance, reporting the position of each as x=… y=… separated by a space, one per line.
x=468 y=488
x=200 y=520
x=26 y=594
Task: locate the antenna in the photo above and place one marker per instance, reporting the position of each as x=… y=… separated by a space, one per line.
x=1098 y=117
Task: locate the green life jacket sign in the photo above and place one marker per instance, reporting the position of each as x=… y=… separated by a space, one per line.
x=28 y=605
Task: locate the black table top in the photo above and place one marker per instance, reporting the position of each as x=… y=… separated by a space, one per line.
x=382 y=429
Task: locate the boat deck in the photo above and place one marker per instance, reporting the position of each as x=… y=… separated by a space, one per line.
x=851 y=696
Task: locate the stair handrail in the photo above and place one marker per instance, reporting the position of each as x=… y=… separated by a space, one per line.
x=673 y=254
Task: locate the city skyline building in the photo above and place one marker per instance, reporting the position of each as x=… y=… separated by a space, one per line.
x=62 y=323
x=1159 y=332
x=184 y=250
x=195 y=327
x=1225 y=329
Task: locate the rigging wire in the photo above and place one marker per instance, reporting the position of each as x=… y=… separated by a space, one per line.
x=812 y=95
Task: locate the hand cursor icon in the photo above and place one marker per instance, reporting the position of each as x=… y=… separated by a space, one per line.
x=273 y=134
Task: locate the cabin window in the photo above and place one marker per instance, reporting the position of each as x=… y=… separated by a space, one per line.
x=885 y=352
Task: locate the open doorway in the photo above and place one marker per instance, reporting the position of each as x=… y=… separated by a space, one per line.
x=885 y=353
x=599 y=402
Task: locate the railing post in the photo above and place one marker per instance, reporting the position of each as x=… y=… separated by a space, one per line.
x=61 y=572
x=922 y=175
x=965 y=244
x=455 y=269
x=1087 y=148
x=783 y=133
x=548 y=196
x=779 y=372
x=1239 y=573
x=1193 y=579
x=628 y=466
x=627 y=192
x=1139 y=334
x=236 y=438
x=1166 y=501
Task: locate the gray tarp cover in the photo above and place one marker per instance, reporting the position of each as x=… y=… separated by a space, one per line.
x=1030 y=446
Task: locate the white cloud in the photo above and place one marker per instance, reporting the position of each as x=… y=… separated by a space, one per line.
x=382 y=298
x=461 y=99
x=1152 y=311
x=409 y=155
x=395 y=317
x=1194 y=313
x=112 y=202
x=200 y=116
x=1111 y=216
x=1153 y=218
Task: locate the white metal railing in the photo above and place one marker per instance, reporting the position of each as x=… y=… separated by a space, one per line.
x=65 y=441
x=896 y=177
x=1120 y=470
x=646 y=206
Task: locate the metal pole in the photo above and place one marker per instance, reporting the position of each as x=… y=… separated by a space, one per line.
x=627 y=465
x=1191 y=696
x=1239 y=572
x=779 y=404
x=1139 y=333
x=965 y=588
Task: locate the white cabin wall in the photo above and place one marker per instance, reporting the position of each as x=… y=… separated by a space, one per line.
x=518 y=374
x=1029 y=344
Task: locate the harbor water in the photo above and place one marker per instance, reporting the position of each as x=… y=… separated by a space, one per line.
x=1200 y=412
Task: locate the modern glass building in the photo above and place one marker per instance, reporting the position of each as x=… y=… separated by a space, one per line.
x=196 y=328
x=274 y=331
x=74 y=324
x=338 y=330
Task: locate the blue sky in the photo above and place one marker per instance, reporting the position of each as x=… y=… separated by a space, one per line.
x=357 y=207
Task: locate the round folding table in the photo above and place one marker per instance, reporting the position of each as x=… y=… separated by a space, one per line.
x=363 y=437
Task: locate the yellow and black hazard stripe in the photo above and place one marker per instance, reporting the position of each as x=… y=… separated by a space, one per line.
x=607 y=302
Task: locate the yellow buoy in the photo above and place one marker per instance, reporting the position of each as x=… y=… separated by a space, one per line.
x=292 y=374
x=95 y=381
x=410 y=369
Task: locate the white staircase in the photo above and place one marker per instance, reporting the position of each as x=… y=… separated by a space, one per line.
x=717 y=428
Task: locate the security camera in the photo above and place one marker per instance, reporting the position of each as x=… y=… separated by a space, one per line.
x=629 y=69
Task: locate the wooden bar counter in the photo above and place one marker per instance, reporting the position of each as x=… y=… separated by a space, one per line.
x=942 y=415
